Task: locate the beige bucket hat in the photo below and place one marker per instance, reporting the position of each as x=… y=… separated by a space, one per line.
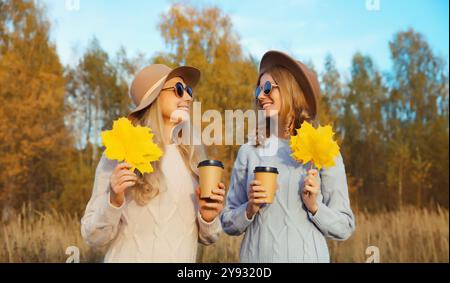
x=148 y=83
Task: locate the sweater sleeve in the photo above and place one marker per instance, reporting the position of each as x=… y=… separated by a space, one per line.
x=234 y=217
x=208 y=232
x=101 y=219
x=334 y=217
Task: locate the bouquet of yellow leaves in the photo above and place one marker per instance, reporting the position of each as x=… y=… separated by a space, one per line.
x=131 y=144
x=315 y=145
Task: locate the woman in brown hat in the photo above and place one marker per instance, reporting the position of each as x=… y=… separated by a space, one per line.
x=309 y=205
x=155 y=217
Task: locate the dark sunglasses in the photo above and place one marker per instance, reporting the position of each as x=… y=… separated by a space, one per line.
x=179 y=89
x=266 y=88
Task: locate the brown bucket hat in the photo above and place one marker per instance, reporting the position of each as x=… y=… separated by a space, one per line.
x=148 y=83
x=305 y=77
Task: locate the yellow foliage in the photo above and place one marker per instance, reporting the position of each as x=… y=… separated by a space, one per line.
x=316 y=145
x=132 y=144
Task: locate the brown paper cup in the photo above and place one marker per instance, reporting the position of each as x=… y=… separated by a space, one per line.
x=268 y=178
x=210 y=176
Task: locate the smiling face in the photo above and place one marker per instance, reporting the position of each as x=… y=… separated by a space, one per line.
x=287 y=99
x=270 y=103
x=174 y=109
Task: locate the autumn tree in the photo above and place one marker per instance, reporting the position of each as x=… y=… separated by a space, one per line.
x=96 y=94
x=418 y=112
x=363 y=123
x=393 y=127
x=204 y=38
x=331 y=104
x=34 y=141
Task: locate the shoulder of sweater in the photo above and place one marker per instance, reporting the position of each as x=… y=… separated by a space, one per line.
x=246 y=149
x=243 y=154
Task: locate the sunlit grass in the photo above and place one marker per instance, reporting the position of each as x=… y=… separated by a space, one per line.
x=408 y=235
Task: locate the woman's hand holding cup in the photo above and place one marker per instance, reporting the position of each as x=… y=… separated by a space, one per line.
x=211 y=207
x=257 y=195
x=262 y=189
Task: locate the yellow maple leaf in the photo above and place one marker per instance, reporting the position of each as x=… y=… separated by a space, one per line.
x=132 y=144
x=316 y=145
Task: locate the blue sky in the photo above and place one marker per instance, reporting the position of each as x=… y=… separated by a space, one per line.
x=307 y=29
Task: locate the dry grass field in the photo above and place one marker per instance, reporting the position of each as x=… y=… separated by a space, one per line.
x=408 y=235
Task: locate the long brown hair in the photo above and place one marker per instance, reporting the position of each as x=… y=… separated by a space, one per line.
x=294 y=109
x=150 y=185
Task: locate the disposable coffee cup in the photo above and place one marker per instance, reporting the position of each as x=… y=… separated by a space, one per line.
x=268 y=178
x=210 y=176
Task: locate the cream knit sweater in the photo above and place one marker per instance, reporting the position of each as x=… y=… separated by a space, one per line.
x=167 y=229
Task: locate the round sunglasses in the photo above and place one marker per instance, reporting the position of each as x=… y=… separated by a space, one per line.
x=266 y=88
x=179 y=89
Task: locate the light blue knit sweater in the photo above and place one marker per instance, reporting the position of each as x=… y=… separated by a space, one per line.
x=285 y=231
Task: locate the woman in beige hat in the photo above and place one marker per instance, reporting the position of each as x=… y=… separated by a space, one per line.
x=309 y=205
x=155 y=217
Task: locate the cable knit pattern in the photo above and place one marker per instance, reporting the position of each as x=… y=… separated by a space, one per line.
x=285 y=231
x=167 y=229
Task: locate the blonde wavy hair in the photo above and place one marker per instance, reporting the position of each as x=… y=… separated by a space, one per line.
x=150 y=185
x=294 y=109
